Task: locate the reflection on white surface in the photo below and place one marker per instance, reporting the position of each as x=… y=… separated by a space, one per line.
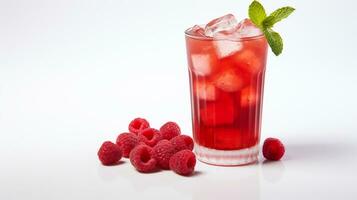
x=246 y=185
x=254 y=182
x=110 y=173
x=327 y=149
x=272 y=171
x=147 y=181
x=208 y=182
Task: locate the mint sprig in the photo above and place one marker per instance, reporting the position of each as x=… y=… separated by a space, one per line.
x=277 y=16
x=257 y=13
x=274 y=40
x=259 y=17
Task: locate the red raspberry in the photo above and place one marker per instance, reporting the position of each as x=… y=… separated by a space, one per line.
x=109 y=153
x=141 y=158
x=182 y=142
x=273 y=149
x=162 y=152
x=149 y=136
x=138 y=124
x=183 y=162
x=127 y=142
x=170 y=130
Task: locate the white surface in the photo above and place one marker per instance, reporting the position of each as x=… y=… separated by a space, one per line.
x=74 y=73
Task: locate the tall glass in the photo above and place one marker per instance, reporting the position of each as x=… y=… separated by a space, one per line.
x=226 y=84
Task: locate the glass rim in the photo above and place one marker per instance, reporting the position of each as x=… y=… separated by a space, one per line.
x=197 y=37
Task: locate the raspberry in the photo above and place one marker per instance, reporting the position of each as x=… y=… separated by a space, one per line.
x=170 y=130
x=149 y=136
x=127 y=142
x=109 y=153
x=141 y=158
x=183 y=162
x=162 y=152
x=182 y=142
x=138 y=124
x=273 y=149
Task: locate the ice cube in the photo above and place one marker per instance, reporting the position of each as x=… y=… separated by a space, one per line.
x=249 y=61
x=225 y=48
x=230 y=80
x=246 y=28
x=224 y=30
x=197 y=30
x=249 y=96
x=259 y=46
x=228 y=138
x=226 y=24
x=206 y=91
x=202 y=64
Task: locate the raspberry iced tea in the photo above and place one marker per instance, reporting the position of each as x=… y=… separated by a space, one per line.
x=226 y=68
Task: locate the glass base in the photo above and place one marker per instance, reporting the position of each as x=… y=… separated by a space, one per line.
x=227 y=157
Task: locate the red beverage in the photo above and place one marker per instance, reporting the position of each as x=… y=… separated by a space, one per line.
x=226 y=81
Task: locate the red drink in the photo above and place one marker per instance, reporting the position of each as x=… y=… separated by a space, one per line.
x=226 y=80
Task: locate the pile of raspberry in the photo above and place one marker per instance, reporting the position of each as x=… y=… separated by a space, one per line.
x=150 y=150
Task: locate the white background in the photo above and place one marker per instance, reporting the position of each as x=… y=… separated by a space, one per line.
x=74 y=73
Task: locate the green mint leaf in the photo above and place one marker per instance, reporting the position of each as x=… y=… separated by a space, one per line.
x=257 y=13
x=274 y=40
x=259 y=17
x=277 y=16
